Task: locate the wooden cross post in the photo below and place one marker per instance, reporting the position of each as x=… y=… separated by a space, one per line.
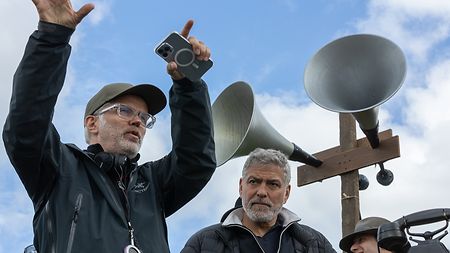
x=350 y=180
x=345 y=160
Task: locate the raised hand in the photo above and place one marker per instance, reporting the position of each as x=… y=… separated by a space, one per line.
x=201 y=51
x=61 y=12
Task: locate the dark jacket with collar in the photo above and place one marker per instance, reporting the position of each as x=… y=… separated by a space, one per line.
x=76 y=206
x=225 y=237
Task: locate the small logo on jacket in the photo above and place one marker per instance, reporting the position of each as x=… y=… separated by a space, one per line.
x=141 y=186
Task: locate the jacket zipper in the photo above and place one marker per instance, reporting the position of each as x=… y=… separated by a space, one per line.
x=50 y=227
x=281 y=235
x=73 y=226
x=254 y=237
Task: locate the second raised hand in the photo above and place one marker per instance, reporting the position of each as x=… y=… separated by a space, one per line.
x=201 y=51
x=61 y=12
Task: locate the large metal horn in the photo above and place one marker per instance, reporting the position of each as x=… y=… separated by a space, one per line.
x=356 y=74
x=239 y=128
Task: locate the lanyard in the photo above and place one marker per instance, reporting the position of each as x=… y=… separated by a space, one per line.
x=132 y=247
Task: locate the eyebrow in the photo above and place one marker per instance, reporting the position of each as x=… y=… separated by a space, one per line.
x=270 y=180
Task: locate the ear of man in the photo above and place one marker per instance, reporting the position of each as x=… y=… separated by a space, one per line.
x=91 y=126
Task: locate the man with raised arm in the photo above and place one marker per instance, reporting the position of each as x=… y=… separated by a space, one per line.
x=99 y=199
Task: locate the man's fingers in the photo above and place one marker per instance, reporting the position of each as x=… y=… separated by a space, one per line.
x=201 y=51
x=196 y=46
x=172 y=71
x=187 y=28
x=84 y=11
x=204 y=51
x=171 y=67
x=207 y=54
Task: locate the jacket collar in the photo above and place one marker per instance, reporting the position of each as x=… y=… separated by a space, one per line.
x=94 y=149
x=101 y=179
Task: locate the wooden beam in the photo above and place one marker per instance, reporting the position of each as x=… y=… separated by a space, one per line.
x=336 y=162
x=363 y=142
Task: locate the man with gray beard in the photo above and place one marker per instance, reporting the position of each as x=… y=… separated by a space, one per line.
x=259 y=222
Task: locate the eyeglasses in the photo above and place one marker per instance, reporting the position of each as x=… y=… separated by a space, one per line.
x=128 y=113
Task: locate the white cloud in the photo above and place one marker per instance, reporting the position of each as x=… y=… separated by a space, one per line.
x=429 y=105
x=13 y=42
x=102 y=10
x=417 y=26
x=416 y=8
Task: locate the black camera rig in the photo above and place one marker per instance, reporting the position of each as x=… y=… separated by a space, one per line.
x=392 y=236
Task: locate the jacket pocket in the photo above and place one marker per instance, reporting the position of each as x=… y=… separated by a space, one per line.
x=73 y=226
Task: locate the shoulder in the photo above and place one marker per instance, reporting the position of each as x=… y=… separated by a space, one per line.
x=310 y=237
x=73 y=147
x=207 y=239
x=209 y=232
x=302 y=228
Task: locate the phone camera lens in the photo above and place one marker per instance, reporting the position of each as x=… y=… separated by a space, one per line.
x=160 y=51
x=165 y=54
x=166 y=48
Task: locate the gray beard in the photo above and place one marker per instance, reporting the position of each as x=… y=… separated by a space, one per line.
x=121 y=145
x=261 y=216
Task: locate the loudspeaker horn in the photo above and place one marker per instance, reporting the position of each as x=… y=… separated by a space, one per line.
x=239 y=128
x=355 y=74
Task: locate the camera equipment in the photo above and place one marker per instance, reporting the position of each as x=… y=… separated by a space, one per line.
x=392 y=236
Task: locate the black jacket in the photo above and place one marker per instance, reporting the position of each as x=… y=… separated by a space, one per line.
x=76 y=206
x=226 y=237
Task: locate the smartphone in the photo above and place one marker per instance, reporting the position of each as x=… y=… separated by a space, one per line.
x=178 y=49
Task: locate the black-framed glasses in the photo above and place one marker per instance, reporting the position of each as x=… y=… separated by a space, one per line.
x=128 y=113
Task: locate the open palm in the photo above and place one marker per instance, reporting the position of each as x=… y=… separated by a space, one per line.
x=61 y=12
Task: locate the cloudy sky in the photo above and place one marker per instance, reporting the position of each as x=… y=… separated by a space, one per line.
x=267 y=44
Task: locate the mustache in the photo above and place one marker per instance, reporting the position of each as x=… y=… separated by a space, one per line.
x=134 y=132
x=260 y=202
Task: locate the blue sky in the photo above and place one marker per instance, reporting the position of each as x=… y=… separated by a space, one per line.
x=267 y=44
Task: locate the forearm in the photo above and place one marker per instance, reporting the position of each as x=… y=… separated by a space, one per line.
x=36 y=85
x=192 y=160
x=192 y=127
x=40 y=75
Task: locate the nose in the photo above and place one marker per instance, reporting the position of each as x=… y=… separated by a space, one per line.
x=261 y=192
x=136 y=121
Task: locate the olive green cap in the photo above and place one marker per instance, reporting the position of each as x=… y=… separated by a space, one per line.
x=152 y=95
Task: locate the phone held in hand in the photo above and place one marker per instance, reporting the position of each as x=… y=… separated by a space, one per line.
x=178 y=49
